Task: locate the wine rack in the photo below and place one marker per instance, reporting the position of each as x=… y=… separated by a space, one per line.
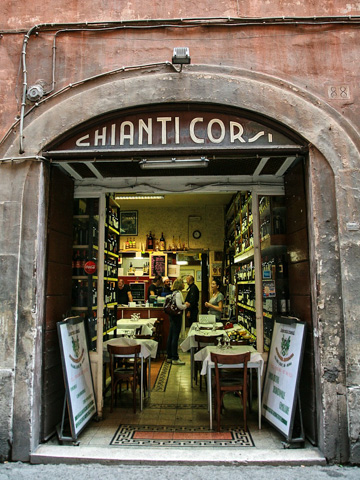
x=239 y=240
x=86 y=264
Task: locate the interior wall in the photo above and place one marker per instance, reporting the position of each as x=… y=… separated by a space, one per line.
x=178 y=222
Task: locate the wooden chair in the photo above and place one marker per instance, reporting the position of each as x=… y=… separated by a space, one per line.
x=203 y=341
x=129 y=373
x=230 y=380
x=158 y=333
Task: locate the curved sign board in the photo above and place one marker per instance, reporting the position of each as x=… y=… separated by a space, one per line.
x=173 y=130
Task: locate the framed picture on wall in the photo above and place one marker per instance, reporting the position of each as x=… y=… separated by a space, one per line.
x=158 y=264
x=198 y=276
x=129 y=222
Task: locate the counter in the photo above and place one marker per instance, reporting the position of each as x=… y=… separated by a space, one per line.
x=145 y=312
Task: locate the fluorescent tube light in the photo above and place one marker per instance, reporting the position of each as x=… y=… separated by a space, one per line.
x=139 y=197
x=175 y=163
x=182 y=262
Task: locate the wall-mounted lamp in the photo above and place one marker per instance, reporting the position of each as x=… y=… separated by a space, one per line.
x=175 y=163
x=181 y=56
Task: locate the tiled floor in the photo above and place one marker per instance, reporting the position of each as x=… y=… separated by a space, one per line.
x=180 y=405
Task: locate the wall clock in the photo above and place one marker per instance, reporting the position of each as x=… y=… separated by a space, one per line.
x=196 y=234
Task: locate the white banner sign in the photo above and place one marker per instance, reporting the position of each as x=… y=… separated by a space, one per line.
x=77 y=373
x=282 y=375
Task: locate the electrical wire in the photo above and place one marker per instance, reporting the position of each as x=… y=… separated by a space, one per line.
x=165 y=23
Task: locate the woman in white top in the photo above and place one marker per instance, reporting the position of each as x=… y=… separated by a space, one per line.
x=216 y=302
x=175 y=324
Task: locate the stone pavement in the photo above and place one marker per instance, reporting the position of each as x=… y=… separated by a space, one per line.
x=22 y=471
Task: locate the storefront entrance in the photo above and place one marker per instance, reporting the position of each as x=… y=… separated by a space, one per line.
x=259 y=172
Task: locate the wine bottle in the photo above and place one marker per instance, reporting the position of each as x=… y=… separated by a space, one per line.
x=162 y=242
x=282 y=302
x=78 y=263
x=150 y=242
x=83 y=261
x=74 y=263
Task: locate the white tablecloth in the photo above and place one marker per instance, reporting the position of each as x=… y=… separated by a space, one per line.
x=204 y=355
x=190 y=342
x=147 y=325
x=148 y=347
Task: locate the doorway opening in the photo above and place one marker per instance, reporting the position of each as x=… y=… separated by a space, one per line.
x=227 y=258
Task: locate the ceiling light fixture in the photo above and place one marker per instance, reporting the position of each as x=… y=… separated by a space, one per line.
x=182 y=262
x=202 y=162
x=139 y=197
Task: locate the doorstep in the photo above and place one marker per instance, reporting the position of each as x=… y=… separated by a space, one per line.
x=57 y=454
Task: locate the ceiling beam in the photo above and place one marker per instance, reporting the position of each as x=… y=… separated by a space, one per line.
x=95 y=171
x=287 y=164
x=71 y=171
x=259 y=168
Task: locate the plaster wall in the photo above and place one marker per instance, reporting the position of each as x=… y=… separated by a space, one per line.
x=320 y=59
x=22 y=208
x=309 y=116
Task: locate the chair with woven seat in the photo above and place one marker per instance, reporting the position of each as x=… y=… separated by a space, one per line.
x=203 y=341
x=230 y=380
x=129 y=373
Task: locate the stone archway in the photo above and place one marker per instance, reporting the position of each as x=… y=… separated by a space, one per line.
x=324 y=128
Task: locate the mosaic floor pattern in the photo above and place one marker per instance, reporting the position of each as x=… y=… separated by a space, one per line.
x=162 y=378
x=170 y=436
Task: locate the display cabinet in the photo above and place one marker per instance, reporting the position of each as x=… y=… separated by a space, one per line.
x=88 y=266
x=274 y=281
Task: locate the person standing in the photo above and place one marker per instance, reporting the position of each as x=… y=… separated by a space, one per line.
x=124 y=295
x=175 y=324
x=156 y=287
x=192 y=297
x=166 y=289
x=216 y=302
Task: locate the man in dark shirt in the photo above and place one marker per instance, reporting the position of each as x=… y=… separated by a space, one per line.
x=156 y=287
x=193 y=298
x=124 y=293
